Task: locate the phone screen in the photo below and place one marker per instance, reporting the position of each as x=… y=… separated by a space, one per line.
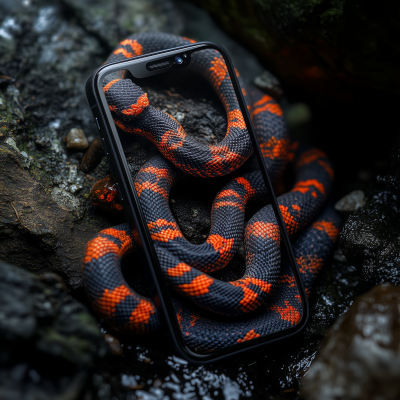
x=204 y=197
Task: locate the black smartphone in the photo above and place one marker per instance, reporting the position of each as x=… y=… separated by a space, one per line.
x=235 y=287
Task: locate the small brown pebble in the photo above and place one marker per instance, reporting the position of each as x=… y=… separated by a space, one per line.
x=76 y=139
x=93 y=156
x=147 y=360
x=114 y=344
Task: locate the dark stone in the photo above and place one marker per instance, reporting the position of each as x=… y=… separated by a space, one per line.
x=41 y=326
x=360 y=359
x=370 y=239
x=336 y=287
x=93 y=156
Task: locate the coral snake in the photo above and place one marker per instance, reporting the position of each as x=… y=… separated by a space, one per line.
x=268 y=284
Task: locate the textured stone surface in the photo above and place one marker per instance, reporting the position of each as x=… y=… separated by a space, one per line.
x=360 y=357
x=370 y=239
x=42 y=326
x=113 y=21
x=47 y=51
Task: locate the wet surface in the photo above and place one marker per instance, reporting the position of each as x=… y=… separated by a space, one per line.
x=359 y=358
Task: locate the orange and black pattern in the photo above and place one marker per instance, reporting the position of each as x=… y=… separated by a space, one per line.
x=268 y=284
x=133 y=114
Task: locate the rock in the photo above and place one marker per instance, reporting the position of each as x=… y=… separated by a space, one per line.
x=65 y=200
x=49 y=341
x=76 y=139
x=104 y=19
x=269 y=84
x=46 y=54
x=312 y=44
x=360 y=357
x=351 y=202
x=370 y=239
x=114 y=343
x=93 y=156
x=24 y=159
x=335 y=289
x=38 y=229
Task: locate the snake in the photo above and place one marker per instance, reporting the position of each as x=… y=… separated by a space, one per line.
x=266 y=298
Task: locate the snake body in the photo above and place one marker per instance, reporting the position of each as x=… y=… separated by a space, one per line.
x=225 y=311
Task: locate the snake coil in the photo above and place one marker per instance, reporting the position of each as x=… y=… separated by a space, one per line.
x=268 y=284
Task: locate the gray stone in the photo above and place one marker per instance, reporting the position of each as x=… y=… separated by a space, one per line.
x=65 y=200
x=360 y=357
x=351 y=202
x=76 y=139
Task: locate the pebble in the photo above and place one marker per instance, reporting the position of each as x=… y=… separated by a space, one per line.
x=360 y=357
x=65 y=200
x=297 y=115
x=270 y=84
x=351 y=202
x=114 y=343
x=76 y=139
x=93 y=156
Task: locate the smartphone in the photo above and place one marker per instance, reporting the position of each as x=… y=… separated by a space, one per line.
x=216 y=294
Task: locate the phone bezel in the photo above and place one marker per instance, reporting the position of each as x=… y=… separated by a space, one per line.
x=136 y=220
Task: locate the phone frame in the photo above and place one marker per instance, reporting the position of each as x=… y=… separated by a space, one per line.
x=130 y=202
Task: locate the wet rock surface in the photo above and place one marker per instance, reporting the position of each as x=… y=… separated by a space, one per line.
x=359 y=358
x=41 y=324
x=370 y=239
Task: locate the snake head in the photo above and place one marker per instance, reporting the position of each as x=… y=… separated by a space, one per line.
x=125 y=98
